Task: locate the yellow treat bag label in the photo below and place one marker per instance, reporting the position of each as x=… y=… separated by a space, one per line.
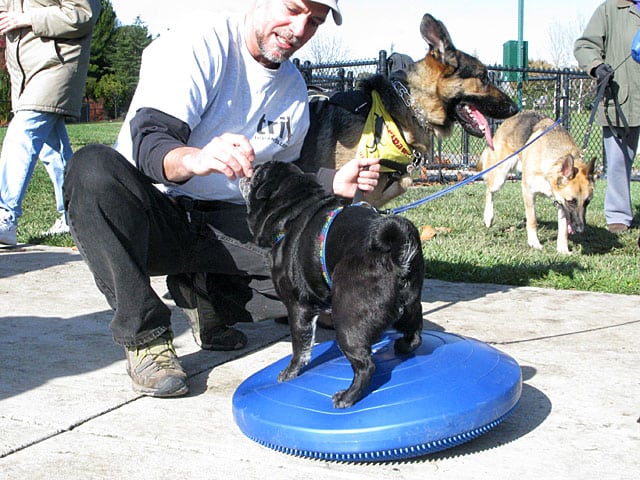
x=381 y=137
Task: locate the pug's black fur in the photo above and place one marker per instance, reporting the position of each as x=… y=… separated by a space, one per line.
x=374 y=262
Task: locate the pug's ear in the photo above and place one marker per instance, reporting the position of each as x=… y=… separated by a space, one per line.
x=263 y=191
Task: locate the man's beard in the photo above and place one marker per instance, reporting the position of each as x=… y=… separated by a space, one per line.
x=278 y=55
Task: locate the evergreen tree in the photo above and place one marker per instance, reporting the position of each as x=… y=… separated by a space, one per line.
x=103 y=34
x=124 y=58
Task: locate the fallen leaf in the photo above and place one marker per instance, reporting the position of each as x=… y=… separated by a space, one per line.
x=427 y=232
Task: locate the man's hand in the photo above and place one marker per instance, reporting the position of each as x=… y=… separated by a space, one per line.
x=358 y=173
x=13 y=20
x=229 y=154
x=603 y=73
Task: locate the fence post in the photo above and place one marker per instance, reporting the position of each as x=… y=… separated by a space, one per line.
x=341 y=81
x=350 y=81
x=382 y=63
x=557 y=95
x=495 y=79
x=566 y=100
x=465 y=148
x=307 y=72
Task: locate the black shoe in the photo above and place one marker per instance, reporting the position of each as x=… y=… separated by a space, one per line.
x=209 y=331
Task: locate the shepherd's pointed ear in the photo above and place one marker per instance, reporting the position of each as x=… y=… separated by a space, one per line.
x=567 y=170
x=440 y=45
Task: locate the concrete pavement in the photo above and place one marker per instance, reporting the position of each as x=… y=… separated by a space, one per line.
x=67 y=410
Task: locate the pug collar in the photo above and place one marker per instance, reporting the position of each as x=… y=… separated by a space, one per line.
x=324 y=233
x=279 y=236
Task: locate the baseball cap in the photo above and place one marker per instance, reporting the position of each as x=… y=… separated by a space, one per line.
x=333 y=5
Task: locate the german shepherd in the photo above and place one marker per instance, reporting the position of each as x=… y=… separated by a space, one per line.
x=552 y=166
x=427 y=96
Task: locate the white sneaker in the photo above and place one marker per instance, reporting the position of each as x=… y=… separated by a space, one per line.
x=8 y=231
x=61 y=226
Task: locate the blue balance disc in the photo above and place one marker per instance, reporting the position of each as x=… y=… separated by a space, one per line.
x=449 y=391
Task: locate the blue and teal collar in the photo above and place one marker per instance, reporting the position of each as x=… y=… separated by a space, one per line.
x=324 y=233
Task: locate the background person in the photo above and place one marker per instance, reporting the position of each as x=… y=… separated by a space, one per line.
x=603 y=51
x=48 y=44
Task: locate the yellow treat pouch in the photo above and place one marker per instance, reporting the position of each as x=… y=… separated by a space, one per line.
x=381 y=137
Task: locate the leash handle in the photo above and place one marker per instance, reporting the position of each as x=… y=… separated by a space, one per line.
x=359 y=195
x=594 y=109
x=599 y=97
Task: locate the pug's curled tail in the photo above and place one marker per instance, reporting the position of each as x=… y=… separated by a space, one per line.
x=398 y=237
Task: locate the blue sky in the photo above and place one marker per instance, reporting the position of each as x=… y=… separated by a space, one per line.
x=479 y=28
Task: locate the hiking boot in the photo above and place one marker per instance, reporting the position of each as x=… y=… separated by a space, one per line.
x=209 y=331
x=61 y=226
x=8 y=229
x=155 y=370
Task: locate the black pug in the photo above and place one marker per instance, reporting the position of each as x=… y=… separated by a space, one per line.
x=364 y=267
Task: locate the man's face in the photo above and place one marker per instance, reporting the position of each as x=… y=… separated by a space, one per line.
x=276 y=29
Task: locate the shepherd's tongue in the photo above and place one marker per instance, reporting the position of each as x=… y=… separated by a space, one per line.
x=488 y=137
x=483 y=124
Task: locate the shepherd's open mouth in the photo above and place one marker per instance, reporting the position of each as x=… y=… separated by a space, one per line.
x=474 y=122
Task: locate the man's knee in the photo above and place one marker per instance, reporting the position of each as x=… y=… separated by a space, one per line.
x=94 y=169
x=92 y=161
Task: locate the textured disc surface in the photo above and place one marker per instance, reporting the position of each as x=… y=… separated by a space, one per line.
x=449 y=391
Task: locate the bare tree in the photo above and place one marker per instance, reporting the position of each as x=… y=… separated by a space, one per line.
x=561 y=36
x=325 y=47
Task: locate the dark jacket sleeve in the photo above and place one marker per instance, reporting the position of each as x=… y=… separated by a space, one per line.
x=154 y=134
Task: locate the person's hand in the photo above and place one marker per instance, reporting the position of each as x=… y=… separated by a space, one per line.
x=358 y=173
x=603 y=73
x=229 y=154
x=13 y=20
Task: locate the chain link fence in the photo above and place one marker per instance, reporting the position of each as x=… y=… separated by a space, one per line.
x=562 y=93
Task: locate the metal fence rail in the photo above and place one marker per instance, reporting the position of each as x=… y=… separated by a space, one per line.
x=562 y=93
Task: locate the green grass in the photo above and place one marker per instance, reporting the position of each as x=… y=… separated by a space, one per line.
x=464 y=250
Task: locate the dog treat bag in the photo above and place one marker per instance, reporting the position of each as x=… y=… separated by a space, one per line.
x=381 y=137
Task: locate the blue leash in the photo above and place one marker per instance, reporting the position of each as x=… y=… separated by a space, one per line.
x=451 y=188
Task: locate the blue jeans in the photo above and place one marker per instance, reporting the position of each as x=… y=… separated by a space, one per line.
x=31 y=135
x=127 y=231
x=620 y=152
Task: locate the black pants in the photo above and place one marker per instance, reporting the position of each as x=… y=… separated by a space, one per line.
x=127 y=231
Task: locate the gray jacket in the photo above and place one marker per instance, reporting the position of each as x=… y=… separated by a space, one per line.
x=48 y=63
x=607 y=39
